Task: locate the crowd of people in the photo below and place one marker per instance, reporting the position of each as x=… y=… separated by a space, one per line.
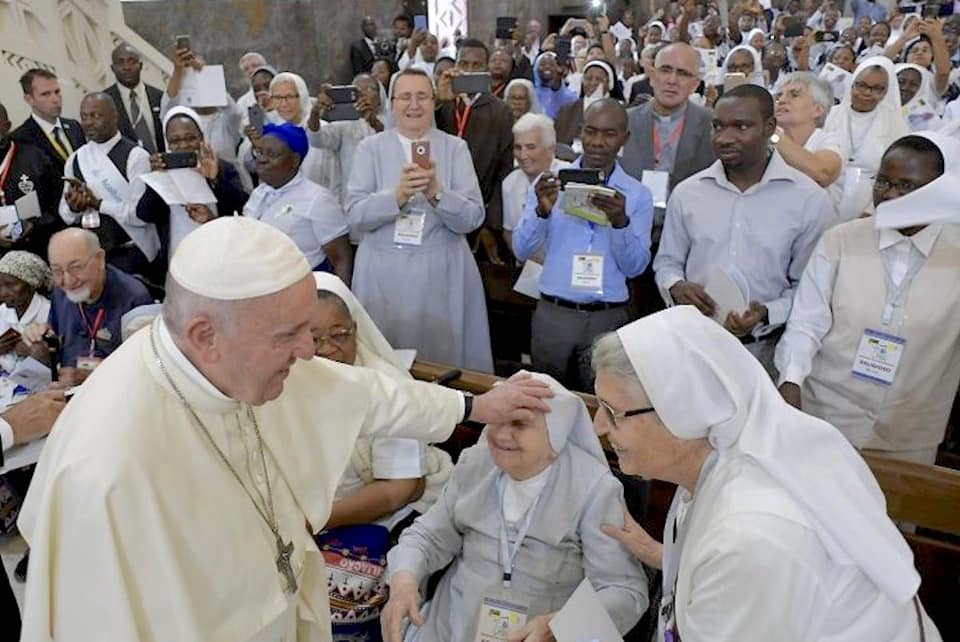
x=789 y=189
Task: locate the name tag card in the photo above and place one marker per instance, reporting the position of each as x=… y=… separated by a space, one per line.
x=500 y=615
x=587 y=272
x=657 y=182
x=878 y=357
x=408 y=229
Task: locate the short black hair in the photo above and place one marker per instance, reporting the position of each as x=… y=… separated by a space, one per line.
x=919 y=145
x=26 y=80
x=402 y=17
x=473 y=43
x=757 y=93
x=3 y=112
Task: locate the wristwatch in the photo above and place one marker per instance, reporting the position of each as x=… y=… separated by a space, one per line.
x=467 y=406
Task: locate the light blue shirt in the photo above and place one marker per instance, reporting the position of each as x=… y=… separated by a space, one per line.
x=875 y=11
x=626 y=251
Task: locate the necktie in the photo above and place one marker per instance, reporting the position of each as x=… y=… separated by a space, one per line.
x=140 y=125
x=65 y=148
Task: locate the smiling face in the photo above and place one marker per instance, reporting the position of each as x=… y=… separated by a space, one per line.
x=879 y=34
x=868 y=89
x=909 y=81
x=334 y=330
x=531 y=154
x=413 y=104
x=843 y=57
x=286 y=100
x=518 y=100
x=921 y=53
x=547 y=68
x=592 y=78
x=740 y=62
x=521 y=449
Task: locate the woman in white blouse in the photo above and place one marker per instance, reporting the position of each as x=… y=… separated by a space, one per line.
x=25 y=283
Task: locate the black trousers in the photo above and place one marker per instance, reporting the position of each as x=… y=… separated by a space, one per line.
x=9 y=611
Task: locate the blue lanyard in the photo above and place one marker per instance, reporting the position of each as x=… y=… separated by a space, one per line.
x=506 y=555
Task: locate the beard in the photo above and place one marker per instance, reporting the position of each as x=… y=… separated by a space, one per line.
x=81 y=295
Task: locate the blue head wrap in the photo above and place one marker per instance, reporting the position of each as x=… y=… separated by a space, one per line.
x=293 y=135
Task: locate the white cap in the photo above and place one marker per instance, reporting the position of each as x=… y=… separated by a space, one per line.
x=235 y=257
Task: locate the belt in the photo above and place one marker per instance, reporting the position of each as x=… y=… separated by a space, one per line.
x=773 y=336
x=583 y=307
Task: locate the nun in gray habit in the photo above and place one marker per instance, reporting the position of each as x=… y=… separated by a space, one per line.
x=414 y=272
x=542 y=482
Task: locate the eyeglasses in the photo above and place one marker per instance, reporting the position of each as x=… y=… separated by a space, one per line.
x=73 y=269
x=668 y=70
x=420 y=97
x=617 y=417
x=876 y=90
x=337 y=338
x=882 y=185
x=285 y=98
x=269 y=154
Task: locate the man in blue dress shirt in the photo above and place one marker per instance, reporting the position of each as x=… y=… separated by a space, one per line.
x=584 y=281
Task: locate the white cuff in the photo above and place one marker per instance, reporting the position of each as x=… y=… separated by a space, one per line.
x=6 y=435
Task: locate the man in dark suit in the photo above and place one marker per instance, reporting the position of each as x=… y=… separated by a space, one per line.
x=137 y=103
x=56 y=137
x=364 y=51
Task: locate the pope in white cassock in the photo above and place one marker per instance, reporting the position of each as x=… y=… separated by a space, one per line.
x=171 y=498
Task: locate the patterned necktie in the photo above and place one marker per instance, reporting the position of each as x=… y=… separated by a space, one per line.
x=140 y=124
x=65 y=148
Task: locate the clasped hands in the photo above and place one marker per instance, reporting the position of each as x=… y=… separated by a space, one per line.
x=687 y=293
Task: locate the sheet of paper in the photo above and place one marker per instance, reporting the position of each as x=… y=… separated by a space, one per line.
x=163 y=185
x=528 y=282
x=8 y=216
x=193 y=187
x=28 y=206
x=204 y=88
x=583 y=618
x=20 y=456
x=658 y=182
x=31 y=374
x=406 y=356
x=726 y=293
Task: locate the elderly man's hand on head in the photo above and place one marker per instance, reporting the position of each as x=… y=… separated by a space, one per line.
x=33 y=417
x=513 y=400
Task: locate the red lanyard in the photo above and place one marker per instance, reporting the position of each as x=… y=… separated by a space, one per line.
x=674 y=137
x=5 y=170
x=461 y=118
x=97 y=320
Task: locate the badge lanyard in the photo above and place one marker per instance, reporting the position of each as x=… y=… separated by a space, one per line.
x=97 y=320
x=506 y=555
x=462 y=118
x=5 y=171
x=674 y=137
x=894 y=292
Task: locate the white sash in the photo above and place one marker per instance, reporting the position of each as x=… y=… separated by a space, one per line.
x=108 y=184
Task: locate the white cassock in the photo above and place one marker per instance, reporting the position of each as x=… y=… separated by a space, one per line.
x=139 y=531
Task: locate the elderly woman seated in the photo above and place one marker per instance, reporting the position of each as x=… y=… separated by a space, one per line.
x=25 y=283
x=519 y=524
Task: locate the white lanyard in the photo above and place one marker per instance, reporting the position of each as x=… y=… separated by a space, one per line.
x=894 y=292
x=506 y=555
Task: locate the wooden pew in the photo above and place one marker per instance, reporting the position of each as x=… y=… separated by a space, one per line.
x=927 y=496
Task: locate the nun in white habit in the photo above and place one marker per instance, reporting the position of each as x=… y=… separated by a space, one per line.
x=542 y=488
x=778 y=529
x=414 y=272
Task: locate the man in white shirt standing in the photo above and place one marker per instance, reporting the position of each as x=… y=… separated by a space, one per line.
x=749 y=219
x=873 y=341
x=534 y=146
x=249 y=63
x=138 y=104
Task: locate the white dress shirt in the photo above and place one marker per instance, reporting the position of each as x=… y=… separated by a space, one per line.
x=143 y=103
x=308 y=213
x=812 y=315
x=514 y=193
x=48 y=128
x=765 y=234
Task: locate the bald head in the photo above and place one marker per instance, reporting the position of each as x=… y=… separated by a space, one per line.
x=126 y=65
x=98 y=116
x=676 y=75
x=609 y=111
x=604 y=132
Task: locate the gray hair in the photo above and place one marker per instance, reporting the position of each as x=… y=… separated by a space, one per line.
x=610 y=355
x=532 y=122
x=181 y=305
x=89 y=238
x=819 y=89
x=252 y=54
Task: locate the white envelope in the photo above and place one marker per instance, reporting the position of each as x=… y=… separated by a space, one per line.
x=182 y=186
x=528 y=282
x=28 y=206
x=731 y=294
x=204 y=88
x=583 y=618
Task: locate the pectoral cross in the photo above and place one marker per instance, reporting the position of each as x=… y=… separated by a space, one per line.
x=284 y=552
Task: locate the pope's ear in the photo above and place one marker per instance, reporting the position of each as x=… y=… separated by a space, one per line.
x=200 y=335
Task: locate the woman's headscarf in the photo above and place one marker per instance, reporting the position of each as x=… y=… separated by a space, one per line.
x=753 y=32
x=306 y=104
x=663 y=30
x=936 y=202
x=182 y=111
x=757 y=77
x=607 y=67
x=535 y=107
x=29 y=268
x=715 y=389
x=921 y=110
x=373 y=349
x=294 y=136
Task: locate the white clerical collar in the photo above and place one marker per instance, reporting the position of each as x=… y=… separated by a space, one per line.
x=46 y=125
x=923 y=240
x=179 y=359
x=106 y=146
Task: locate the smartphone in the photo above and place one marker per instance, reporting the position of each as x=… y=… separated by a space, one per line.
x=420 y=153
x=183 y=42
x=563 y=50
x=257 y=118
x=931 y=10
x=10 y=335
x=505 y=27
x=582 y=176
x=341 y=111
x=475 y=83
x=732 y=81
x=420 y=22
x=827 y=36
x=343 y=94
x=179 y=160
x=792 y=27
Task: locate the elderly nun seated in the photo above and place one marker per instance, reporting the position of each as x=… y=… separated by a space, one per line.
x=778 y=530
x=520 y=521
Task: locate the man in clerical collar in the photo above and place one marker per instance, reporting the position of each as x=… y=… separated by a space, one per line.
x=98 y=190
x=138 y=104
x=57 y=137
x=25 y=169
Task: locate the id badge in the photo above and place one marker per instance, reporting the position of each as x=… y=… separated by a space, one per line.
x=501 y=613
x=878 y=357
x=88 y=363
x=657 y=182
x=408 y=229
x=587 y=272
